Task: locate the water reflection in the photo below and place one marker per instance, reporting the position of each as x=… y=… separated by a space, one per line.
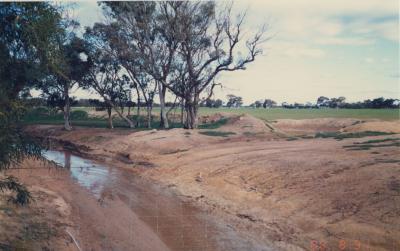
x=88 y=174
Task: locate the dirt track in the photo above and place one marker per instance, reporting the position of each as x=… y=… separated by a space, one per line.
x=280 y=192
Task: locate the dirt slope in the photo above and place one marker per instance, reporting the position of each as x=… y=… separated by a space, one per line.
x=376 y=126
x=291 y=194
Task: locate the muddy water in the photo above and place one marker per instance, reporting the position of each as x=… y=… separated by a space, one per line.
x=179 y=225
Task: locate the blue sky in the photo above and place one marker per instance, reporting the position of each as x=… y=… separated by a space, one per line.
x=331 y=48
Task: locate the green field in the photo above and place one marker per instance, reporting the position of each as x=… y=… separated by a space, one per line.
x=282 y=113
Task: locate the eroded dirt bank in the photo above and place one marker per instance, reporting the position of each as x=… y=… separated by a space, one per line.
x=267 y=187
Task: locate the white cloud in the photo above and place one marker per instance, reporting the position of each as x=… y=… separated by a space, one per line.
x=305 y=52
x=369 y=60
x=329 y=21
x=344 y=41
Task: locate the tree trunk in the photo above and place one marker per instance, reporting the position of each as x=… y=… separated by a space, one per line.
x=149 y=108
x=110 y=120
x=138 y=112
x=67 y=109
x=127 y=120
x=67 y=160
x=191 y=108
x=182 y=111
x=163 y=113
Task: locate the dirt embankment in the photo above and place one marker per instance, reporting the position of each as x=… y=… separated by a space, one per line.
x=292 y=195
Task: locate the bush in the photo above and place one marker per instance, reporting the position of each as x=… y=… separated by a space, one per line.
x=39 y=111
x=79 y=115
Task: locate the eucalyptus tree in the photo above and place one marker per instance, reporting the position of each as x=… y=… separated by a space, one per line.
x=66 y=60
x=105 y=75
x=185 y=45
x=210 y=42
x=146 y=30
x=21 y=67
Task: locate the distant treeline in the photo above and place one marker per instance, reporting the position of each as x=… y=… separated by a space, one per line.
x=233 y=101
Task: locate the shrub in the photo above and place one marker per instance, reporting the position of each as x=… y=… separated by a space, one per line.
x=217 y=133
x=79 y=115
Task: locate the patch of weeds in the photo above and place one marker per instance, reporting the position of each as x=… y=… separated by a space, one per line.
x=390 y=161
x=378 y=141
x=375 y=152
x=251 y=134
x=359 y=146
x=247 y=217
x=306 y=137
x=291 y=139
x=214 y=125
x=175 y=151
x=358 y=122
x=340 y=136
x=145 y=164
x=217 y=133
x=326 y=134
x=159 y=138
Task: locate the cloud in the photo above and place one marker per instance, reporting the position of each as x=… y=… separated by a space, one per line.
x=369 y=60
x=344 y=41
x=339 y=22
x=305 y=52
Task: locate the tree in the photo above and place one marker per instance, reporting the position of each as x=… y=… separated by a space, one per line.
x=104 y=76
x=146 y=30
x=110 y=39
x=234 y=101
x=211 y=103
x=56 y=100
x=64 y=55
x=21 y=66
x=323 y=101
x=257 y=104
x=268 y=103
x=208 y=42
x=183 y=46
x=336 y=102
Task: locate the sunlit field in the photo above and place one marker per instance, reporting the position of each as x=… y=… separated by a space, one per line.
x=282 y=113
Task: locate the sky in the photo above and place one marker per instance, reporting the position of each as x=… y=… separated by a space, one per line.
x=331 y=48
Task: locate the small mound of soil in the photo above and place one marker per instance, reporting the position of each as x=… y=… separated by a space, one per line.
x=376 y=126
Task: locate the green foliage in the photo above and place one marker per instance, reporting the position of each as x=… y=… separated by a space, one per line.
x=79 y=115
x=15 y=145
x=22 y=65
x=22 y=197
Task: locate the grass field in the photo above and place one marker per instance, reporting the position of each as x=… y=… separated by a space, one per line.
x=282 y=113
